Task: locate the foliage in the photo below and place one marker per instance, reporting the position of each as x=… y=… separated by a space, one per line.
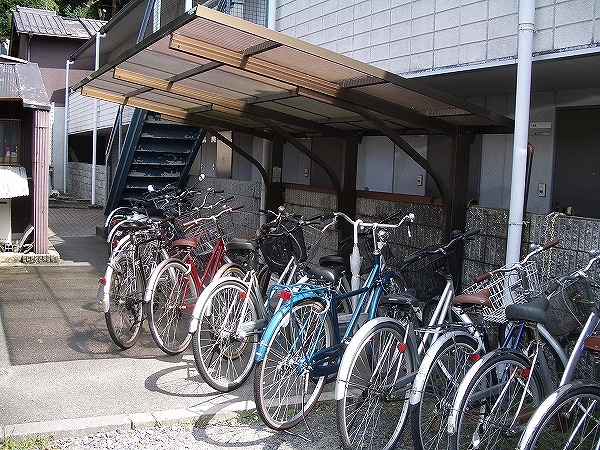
x=30 y=443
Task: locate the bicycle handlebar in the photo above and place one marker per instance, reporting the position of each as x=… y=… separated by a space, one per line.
x=441 y=248
x=536 y=248
x=578 y=274
x=213 y=217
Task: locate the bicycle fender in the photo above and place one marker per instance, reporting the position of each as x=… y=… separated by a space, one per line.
x=152 y=279
x=281 y=315
x=283 y=311
x=353 y=346
x=204 y=296
x=104 y=289
x=547 y=404
x=469 y=376
x=416 y=393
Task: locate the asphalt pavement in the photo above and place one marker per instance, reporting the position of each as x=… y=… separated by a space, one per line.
x=60 y=373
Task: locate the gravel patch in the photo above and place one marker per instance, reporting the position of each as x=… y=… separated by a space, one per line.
x=245 y=432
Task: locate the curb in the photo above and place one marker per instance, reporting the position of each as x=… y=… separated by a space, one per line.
x=67 y=428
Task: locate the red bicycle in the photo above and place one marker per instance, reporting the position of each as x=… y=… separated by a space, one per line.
x=176 y=283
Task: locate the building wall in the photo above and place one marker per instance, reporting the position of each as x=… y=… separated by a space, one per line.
x=81 y=114
x=422 y=37
x=405 y=36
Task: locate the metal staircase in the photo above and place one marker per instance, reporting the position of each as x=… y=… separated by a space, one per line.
x=156 y=152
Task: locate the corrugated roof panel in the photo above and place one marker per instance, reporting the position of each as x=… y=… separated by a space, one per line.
x=23 y=81
x=9 y=88
x=244 y=71
x=49 y=23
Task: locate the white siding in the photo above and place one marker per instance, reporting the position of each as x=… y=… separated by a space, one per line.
x=81 y=114
x=413 y=36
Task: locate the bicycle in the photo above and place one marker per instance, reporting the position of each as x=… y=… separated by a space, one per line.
x=446 y=362
x=381 y=361
x=175 y=284
x=503 y=389
x=568 y=418
x=121 y=290
x=302 y=344
x=231 y=313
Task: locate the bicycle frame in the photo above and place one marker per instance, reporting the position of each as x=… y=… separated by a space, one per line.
x=371 y=289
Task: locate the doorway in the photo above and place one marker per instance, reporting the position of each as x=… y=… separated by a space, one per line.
x=577 y=163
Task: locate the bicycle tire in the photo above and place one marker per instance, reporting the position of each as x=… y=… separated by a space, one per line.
x=125 y=312
x=284 y=391
x=225 y=358
x=442 y=374
x=569 y=418
x=488 y=409
x=170 y=298
x=371 y=410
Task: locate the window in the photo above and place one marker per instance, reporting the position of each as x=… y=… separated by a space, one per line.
x=9 y=136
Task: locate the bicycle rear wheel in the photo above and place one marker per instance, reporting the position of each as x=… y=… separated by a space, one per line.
x=284 y=389
x=124 y=315
x=171 y=296
x=568 y=419
x=373 y=407
x=496 y=404
x=223 y=350
x=443 y=373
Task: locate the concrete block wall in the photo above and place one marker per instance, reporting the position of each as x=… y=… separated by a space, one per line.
x=80 y=182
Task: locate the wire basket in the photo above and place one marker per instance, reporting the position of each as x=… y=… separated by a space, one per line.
x=424 y=276
x=507 y=287
x=570 y=306
x=279 y=246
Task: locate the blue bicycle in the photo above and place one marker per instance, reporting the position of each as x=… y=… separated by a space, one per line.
x=303 y=343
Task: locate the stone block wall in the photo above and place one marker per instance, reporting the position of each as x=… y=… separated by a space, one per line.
x=80 y=182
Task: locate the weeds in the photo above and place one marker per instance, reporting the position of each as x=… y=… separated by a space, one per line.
x=29 y=443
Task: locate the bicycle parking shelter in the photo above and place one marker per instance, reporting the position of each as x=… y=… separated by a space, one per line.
x=222 y=73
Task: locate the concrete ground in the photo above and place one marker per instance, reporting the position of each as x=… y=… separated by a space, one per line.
x=60 y=373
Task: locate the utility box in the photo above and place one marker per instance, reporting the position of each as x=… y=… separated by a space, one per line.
x=5 y=225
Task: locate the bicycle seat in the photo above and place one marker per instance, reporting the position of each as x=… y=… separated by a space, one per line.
x=401 y=299
x=248 y=244
x=532 y=311
x=481 y=298
x=193 y=243
x=592 y=344
x=331 y=260
x=327 y=274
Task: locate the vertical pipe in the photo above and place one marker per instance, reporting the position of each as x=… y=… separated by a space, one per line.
x=95 y=127
x=519 y=165
x=271 y=17
x=66 y=127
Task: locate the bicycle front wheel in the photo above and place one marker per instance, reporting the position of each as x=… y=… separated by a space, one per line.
x=568 y=419
x=223 y=348
x=497 y=403
x=124 y=315
x=443 y=373
x=285 y=390
x=173 y=294
x=373 y=407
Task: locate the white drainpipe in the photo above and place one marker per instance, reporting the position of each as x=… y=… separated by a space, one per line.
x=524 y=57
x=66 y=127
x=95 y=129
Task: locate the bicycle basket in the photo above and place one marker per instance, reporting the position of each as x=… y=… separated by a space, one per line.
x=570 y=306
x=423 y=275
x=507 y=288
x=278 y=247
